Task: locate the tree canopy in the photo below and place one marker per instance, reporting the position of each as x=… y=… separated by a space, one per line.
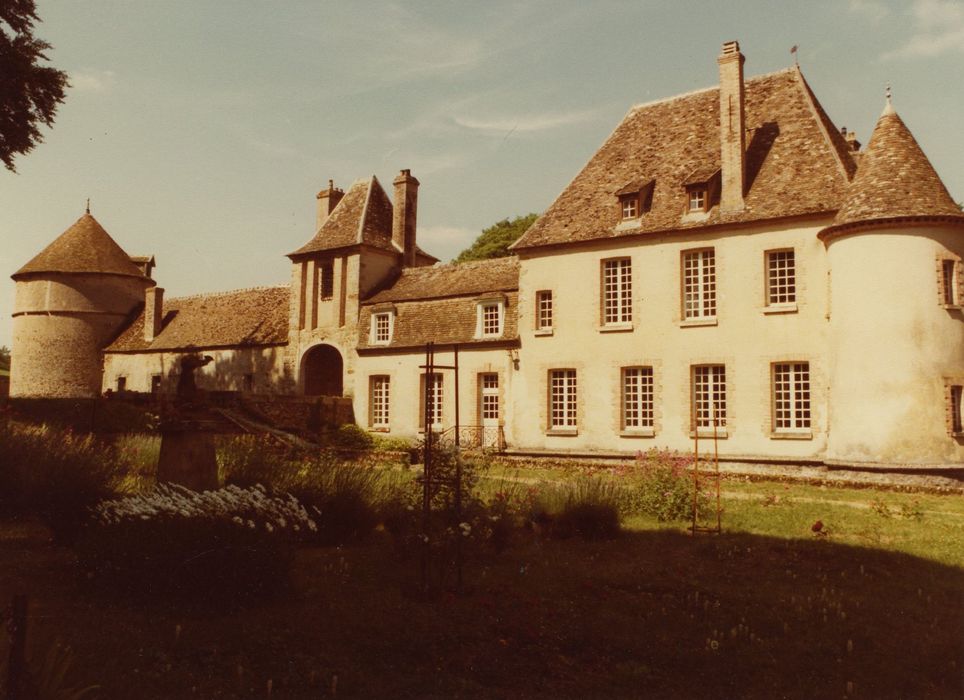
x=494 y=241
x=29 y=91
x=4 y=357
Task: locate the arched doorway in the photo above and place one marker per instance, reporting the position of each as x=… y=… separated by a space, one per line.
x=322 y=368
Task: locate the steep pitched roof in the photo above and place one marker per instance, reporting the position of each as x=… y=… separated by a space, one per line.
x=85 y=247
x=895 y=179
x=797 y=164
x=364 y=215
x=240 y=318
x=454 y=279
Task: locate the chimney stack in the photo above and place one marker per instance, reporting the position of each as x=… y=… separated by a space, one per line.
x=327 y=201
x=403 y=215
x=153 y=312
x=732 y=128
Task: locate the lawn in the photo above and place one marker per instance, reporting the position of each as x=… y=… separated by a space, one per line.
x=767 y=609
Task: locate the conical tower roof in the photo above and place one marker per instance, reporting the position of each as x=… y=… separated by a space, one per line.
x=85 y=247
x=895 y=180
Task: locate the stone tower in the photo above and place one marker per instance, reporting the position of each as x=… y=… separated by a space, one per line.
x=70 y=301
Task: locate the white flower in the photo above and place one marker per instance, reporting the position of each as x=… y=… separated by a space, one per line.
x=267 y=526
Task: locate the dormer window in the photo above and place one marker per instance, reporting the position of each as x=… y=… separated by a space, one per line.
x=629 y=205
x=490 y=317
x=383 y=323
x=697 y=199
x=702 y=189
x=635 y=199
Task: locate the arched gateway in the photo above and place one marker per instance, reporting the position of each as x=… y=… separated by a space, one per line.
x=322 y=368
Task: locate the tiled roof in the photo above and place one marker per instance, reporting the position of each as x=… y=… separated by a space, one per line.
x=895 y=179
x=85 y=247
x=453 y=279
x=364 y=215
x=450 y=320
x=797 y=163
x=245 y=317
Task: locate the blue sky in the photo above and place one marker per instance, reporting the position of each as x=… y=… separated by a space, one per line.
x=201 y=131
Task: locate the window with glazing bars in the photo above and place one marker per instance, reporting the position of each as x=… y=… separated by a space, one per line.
x=637 y=397
x=617 y=286
x=434 y=398
x=957 y=409
x=380 y=393
x=544 y=310
x=383 y=328
x=489 y=387
x=709 y=396
x=562 y=398
x=949 y=290
x=781 y=277
x=629 y=205
x=791 y=396
x=699 y=284
x=492 y=319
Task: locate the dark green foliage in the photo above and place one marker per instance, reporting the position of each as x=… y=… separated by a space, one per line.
x=584 y=507
x=55 y=474
x=29 y=91
x=4 y=357
x=494 y=241
x=352 y=437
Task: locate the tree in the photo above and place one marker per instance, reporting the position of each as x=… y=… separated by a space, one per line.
x=494 y=241
x=29 y=91
x=4 y=357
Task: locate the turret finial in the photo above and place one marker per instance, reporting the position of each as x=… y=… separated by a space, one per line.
x=889 y=107
x=88 y=205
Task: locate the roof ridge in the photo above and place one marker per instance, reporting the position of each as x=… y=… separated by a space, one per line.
x=226 y=292
x=819 y=114
x=424 y=269
x=699 y=91
x=360 y=235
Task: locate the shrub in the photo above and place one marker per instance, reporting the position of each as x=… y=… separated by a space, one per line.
x=661 y=486
x=248 y=460
x=587 y=507
x=139 y=453
x=352 y=437
x=384 y=443
x=55 y=474
x=212 y=547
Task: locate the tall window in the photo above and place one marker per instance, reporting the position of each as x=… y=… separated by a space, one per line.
x=382 y=328
x=709 y=396
x=781 y=277
x=637 y=398
x=957 y=409
x=544 y=310
x=617 y=288
x=121 y=384
x=489 y=397
x=433 y=409
x=699 y=284
x=379 y=392
x=950 y=293
x=155 y=383
x=791 y=396
x=562 y=399
x=326 y=271
x=491 y=319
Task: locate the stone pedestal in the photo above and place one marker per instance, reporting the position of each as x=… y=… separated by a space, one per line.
x=187 y=458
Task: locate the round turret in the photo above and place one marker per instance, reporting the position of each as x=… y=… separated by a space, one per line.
x=896 y=325
x=70 y=301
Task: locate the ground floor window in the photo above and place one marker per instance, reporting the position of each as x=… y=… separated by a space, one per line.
x=791 y=396
x=709 y=396
x=957 y=409
x=637 y=398
x=431 y=401
x=155 y=383
x=489 y=398
x=562 y=399
x=379 y=393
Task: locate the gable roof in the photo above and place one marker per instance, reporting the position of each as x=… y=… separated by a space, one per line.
x=797 y=164
x=895 y=179
x=240 y=318
x=364 y=215
x=451 y=280
x=85 y=247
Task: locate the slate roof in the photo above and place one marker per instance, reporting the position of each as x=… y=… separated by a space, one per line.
x=243 y=318
x=895 y=179
x=453 y=279
x=797 y=164
x=85 y=247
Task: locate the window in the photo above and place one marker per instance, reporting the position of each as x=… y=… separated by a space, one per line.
x=617 y=291
x=378 y=392
x=121 y=384
x=544 y=310
x=249 y=382
x=791 y=397
x=951 y=291
x=637 y=398
x=699 y=284
x=709 y=397
x=155 y=383
x=382 y=323
x=781 y=277
x=489 y=398
x=326 y=271
x=956 y=407
x=433 y=410
x=629 y=205
x=562 y=399
x=491 y=319
x=697 y=199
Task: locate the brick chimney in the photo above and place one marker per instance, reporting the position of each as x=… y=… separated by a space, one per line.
x=403 y=216
x=732 y=128
x=327 y=201
x=153 y=312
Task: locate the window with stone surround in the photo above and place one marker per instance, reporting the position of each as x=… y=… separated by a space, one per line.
x=637 y=399
x=699 y=284
x=379 y=393
x=955 y=409
x=951 y=282
x=490 y=317
x=544 y=310
x=562 y=399
x=709 y=398
x=791 y=397
x=781 y=278
x=489 y=397
x=617 y=291
x=382 y=326
x=433 y=409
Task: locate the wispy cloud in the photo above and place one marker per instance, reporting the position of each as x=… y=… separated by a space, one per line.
x=535 y=122
x=92 y=80
x=938 y=29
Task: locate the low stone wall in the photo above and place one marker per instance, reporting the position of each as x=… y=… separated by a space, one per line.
x=114 y=415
